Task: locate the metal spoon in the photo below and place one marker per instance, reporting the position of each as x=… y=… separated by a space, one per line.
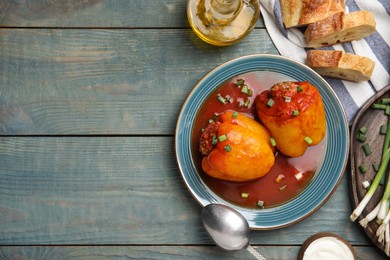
x=228 y=228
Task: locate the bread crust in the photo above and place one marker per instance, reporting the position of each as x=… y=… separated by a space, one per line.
x=304 y=12
x=337 y=64
x=340 y=28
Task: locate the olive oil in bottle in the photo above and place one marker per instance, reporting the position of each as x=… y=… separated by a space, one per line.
x=222 y=22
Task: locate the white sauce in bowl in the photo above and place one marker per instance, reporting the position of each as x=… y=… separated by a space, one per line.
x=328 y=248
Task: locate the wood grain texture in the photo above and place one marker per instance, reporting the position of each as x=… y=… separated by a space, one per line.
x=371 y=119
x=158 y=252
x=58 y=82
x=119 y=190
x=95 y=13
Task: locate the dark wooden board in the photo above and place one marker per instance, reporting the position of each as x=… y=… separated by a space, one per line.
x=372 y=119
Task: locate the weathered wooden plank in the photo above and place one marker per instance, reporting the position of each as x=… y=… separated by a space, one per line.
x=95 y=13
x=119 y=190
x=104 y=81
x=160 y=252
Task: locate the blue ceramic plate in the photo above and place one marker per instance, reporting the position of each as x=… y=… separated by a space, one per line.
x=270 y=69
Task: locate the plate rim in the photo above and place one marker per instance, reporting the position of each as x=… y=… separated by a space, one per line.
x=345 y=131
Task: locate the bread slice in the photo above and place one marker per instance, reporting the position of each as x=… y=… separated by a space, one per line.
x=304 y=12
x=337 y=64
x=340 y=28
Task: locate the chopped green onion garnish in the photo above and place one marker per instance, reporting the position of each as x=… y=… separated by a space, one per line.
x=299 y=89
x=244 y=195
x=379 y=106
x=383 y=129
x=270 y=102
x=287 y=99
x=363 y=129
x=260 y=204
x=375 y=166
x=283 y=187
x=366 y=184
x=222 y=100
x=385 y=101
x=308 y=140
x=235 y=114
x=222 y=138
x=361 y=137
x=227 y=148
x=244 y=89
x=214 y=141
x=279 y=178
x=387 y=111
x=239 y=82
x=295 y=112
x=247 y=102
x=367 y=149
x=273 y=141
x=228 y=99
x=362 y=168
x=250 y=92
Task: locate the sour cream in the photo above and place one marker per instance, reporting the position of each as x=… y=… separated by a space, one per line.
x=328 y=247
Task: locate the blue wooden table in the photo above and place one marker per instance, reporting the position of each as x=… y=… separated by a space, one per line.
x=90 y=92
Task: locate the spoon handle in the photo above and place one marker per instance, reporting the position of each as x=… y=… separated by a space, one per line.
x=255 y=253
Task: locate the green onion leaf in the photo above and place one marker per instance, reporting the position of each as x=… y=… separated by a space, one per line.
x=273 y=141
x=385 y=101
x=214 y=141
x=363 y=129
x=235 y=114
x=222 y=100
x=260 y=204
x=240 y=82
x=283 y=187
x=244 y=89
x=299 y=89
x=227 y=148
x=387 y=111
x=379 y=106
x=362 y=168
x=367 y=149
x=361 y=137
x=375 y=166
x=383 y=129
x=247 y=102
x=308 y=140
x=270 y=102
x=222 y=138
x=244 y=195
x=295 y=113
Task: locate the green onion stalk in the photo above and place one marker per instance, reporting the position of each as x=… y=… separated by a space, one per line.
x=379 y=175
x=370 y=216
x=385 y=198
x=387 y=240
x=380 y=232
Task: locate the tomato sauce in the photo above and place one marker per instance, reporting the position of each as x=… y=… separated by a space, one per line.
x=287 y=178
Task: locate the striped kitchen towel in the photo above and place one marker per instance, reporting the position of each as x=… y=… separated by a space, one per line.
x=290 y=43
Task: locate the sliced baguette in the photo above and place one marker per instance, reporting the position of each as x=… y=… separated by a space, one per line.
x=304 y=12
x=340 y=28
x=338 y=64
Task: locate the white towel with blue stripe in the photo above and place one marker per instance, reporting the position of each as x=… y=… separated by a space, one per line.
x=291 y=43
